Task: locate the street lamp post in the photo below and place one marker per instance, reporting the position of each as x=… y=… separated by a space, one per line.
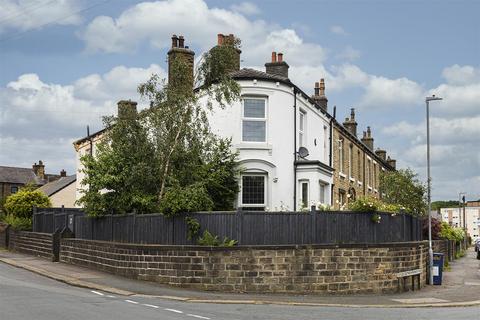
x=430 y=249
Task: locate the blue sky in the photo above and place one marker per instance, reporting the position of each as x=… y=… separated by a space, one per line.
x=64 y=64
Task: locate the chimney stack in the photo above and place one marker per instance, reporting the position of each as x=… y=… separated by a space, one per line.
x=367 y=138
x=180 y=53
x=224 y=41
x=277 y=67
x=382 y=154
x=319 y=95
x=392 y=163
x=127 y=109
x=351 y=124
x=63 y=173
x=39 y=169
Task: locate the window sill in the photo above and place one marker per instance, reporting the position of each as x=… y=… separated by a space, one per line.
x=360 y=184
x=375 y=190
x=369 y=188
x=352 y=179
x=254 y=146
x=343 y=175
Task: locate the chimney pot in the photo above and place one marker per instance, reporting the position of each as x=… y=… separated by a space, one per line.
x=322 y=87
x=220 y=38
x=274 y=56
x=174 y=41
x=280 y=57
x=63 y=173
x=181 y=42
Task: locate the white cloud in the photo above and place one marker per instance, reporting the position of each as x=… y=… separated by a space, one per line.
x=26 y=15
x=247 y=8
x=384 y=92
x=40 y=120
x=155 y=22
x=461 y=75
x=349 y=54
x=338 y=30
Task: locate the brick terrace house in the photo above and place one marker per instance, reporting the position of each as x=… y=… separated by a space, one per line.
x=13 y=178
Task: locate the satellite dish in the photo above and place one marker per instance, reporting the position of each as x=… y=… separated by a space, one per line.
x=303 y=152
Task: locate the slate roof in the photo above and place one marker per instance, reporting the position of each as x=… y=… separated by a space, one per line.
x=57 y=185
x=19 y=175
x=247 y=73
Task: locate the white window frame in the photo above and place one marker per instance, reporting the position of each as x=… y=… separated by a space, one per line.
x=325 y=143
x=368 y=173
x=350 y=161
x=300 y=189
x=265 y=186
x=340 y=155
x=322 y=193
x=264 y=119
x=302 y=126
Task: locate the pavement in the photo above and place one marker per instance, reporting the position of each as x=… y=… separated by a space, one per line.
x=461 y=287
x=27 y=295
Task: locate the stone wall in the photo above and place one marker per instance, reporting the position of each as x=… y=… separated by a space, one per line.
x=283 y=269
x=34 y=243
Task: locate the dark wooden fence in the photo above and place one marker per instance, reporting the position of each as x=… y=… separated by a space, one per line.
x=248 y=228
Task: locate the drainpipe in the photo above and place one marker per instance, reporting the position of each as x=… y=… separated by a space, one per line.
x=331 y=149
x=294 y=149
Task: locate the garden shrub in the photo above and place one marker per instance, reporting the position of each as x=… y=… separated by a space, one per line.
x=21 y=203
x=18 y=223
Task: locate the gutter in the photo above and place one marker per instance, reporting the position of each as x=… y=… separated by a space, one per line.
x=331 y=149
x=294 y=149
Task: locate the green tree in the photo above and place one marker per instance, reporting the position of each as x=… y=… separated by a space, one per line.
x=120 y=177
x=403 y=188
x=166 y=157
x=21 y=204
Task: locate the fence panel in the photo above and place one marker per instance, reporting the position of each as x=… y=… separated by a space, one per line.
x=248 y=228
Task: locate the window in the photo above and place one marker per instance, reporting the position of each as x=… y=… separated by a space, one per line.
x=304 y=193
x=350 y=161
x=253 y=192
x=340 y=155
x=301 y=129
x=323 y=188
x=342 y=197
x=375 y=175
x=254 y=120
x=359 y=164
x=325 y=143
x=368 y=177
x=13 y=189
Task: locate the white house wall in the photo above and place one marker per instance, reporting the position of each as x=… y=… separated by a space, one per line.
x=276 y=156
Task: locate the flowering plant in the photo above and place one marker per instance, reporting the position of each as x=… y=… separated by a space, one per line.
x=376 y=218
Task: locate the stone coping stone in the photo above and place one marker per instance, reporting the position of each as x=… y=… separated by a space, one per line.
x=137 y=246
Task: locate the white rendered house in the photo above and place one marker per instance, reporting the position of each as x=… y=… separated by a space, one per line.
x=269 y=124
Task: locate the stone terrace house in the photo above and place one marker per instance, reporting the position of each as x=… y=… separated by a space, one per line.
x=13 y=178
x=357 y=165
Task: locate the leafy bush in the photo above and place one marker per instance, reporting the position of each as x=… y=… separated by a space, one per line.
x=392 y=208
x=365 y=204
x=193 y=227
x=207 y=239
x=192 y=198
x=18 y=223
x=450 y=233
x=21 y=203
x=436 y=229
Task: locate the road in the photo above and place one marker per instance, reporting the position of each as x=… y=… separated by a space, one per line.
x=25 y=295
